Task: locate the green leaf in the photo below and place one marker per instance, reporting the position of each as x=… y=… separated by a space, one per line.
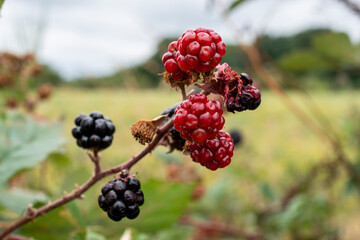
x=164 y=204
x=59 y=160
x=168 y=157
x=235 y=4
x=308 y=212
x=303 y=61
x=76 y=213
x=167 y=203
x=27 y=143
x=17 y=199
x=350 y=187
x=91 y=235
x=176 y=232
x=56 y=224
x=336 y=46
x=78 y=235
x=87 y=234
x=267 y=191
x=1 y=3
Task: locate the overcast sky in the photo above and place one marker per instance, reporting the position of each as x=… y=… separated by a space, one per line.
x=92 y=37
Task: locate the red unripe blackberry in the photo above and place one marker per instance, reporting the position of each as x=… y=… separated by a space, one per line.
x=172 y=46
x=200 y=50
x=215 y=153
x=167 y=56
x=171 y=64
x=199 y=119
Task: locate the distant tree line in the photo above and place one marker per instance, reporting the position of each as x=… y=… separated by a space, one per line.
x=318 y=58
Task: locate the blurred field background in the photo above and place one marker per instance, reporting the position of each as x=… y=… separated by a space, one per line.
x=285 y=181
x=276 y=152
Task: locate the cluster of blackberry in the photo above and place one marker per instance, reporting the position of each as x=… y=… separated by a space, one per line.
x=200 y=121
x=215 y=153
x=238 y=90
x=171 y=65
x=93 y=131
x=248 y=98
x=198 y=51
x=178 y=143
x=121 y=198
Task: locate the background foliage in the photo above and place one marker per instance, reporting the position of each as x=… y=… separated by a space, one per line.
x=284 y=181
x=271 y=160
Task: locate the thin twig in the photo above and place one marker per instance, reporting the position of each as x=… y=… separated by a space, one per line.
x=16 y=237
x=257 y=63
x=33 y=213
x=221 y=228
x=1 y=3
x=298 y=188
x=95 y=158
x=77 y=193
x=352 y=6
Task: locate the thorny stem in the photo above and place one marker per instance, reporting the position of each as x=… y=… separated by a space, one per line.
x=257 y=63
x=98 y=175
x=352 y=6
x=16 y=237
x=220 y=228
x=33 y=213
x=300 y=186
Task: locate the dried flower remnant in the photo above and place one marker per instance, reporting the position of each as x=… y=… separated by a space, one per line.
x=44 y=91
x=144 y=130
x=238 y=91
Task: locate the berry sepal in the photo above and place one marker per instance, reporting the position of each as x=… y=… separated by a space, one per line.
x=237 y=90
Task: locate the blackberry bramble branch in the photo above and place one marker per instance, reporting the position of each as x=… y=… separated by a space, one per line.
x=195 y=125
x=98 y=175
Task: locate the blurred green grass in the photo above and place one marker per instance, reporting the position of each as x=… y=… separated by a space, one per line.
x=272 y=134
x=277 y=148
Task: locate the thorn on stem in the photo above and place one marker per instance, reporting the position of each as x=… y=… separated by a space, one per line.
x=30 y=212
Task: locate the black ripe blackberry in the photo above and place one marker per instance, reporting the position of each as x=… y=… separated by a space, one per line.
x=93 y=131
x=174 y=139
x=170 y=111
x=121 y=198
x=237 y=137
x=178 y=142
